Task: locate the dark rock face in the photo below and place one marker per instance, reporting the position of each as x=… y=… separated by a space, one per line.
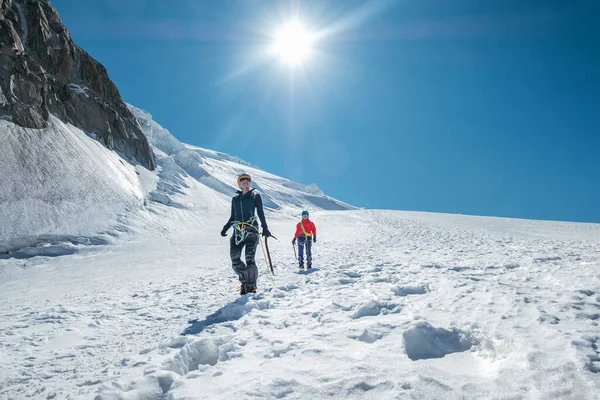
x=43 y=72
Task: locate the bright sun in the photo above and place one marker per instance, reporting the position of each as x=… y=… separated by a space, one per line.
x=293 y=43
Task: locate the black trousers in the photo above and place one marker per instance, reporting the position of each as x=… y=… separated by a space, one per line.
x=248 y=272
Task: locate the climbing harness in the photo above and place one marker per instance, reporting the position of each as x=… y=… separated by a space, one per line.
x=240 y=229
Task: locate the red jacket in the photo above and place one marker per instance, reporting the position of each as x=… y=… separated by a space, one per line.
x=309 y=227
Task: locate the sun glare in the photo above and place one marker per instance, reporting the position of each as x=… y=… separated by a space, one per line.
x=292 y=44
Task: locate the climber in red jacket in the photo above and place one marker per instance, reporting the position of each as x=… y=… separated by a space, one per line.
x=306 y=233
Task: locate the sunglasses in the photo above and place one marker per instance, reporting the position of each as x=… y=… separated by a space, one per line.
x=245 y=180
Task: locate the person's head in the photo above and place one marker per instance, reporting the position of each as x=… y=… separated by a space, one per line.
x=244 y=181
x=304 y=214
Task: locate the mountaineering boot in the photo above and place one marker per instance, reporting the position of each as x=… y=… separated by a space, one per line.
x=246 y=289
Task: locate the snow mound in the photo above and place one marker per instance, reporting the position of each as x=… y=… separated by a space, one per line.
x=373 y=333
x=152 y=386
x=205 y=351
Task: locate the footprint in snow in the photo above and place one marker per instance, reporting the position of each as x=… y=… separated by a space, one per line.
x=307 y=271
x=231 y=312
x=458 y=269
x=547 y=318
x=408 y=290
x=586 y=292
x=281 y=348
x=374 y=308
x=590 y=346
x=436 y=266
x=423 y=341
x=350 y=274
x=546 y=259
x=372 y=334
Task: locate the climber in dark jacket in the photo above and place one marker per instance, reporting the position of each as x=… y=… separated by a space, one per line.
x=243 y=219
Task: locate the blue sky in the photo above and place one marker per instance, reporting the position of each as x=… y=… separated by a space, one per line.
x=459 y=106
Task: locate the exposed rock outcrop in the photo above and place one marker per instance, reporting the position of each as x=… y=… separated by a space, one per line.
x=43 y=72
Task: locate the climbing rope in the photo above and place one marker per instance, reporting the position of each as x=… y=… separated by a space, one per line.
x=240 y=229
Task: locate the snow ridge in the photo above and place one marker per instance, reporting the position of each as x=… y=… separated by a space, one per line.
x=219 y=171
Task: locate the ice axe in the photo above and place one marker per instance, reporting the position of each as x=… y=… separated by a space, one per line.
x=294 y=247
x=269 y=253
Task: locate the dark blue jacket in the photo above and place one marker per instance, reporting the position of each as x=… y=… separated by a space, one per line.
x=243 y=207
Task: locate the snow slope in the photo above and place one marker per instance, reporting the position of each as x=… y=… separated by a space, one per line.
x=58 y=184
x=219 y=171
x=400 y=304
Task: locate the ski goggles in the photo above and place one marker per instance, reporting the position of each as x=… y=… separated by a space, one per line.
x=244 y=178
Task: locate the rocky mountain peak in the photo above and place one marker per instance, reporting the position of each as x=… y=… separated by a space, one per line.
x=43 y=72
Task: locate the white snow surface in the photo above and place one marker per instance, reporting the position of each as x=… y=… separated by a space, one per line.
x=58 y=184
x=400 y=305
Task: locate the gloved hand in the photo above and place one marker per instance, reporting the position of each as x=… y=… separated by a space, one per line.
x=314 y=239
x=294 y=241
x=224 y=231
x=266 y=232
